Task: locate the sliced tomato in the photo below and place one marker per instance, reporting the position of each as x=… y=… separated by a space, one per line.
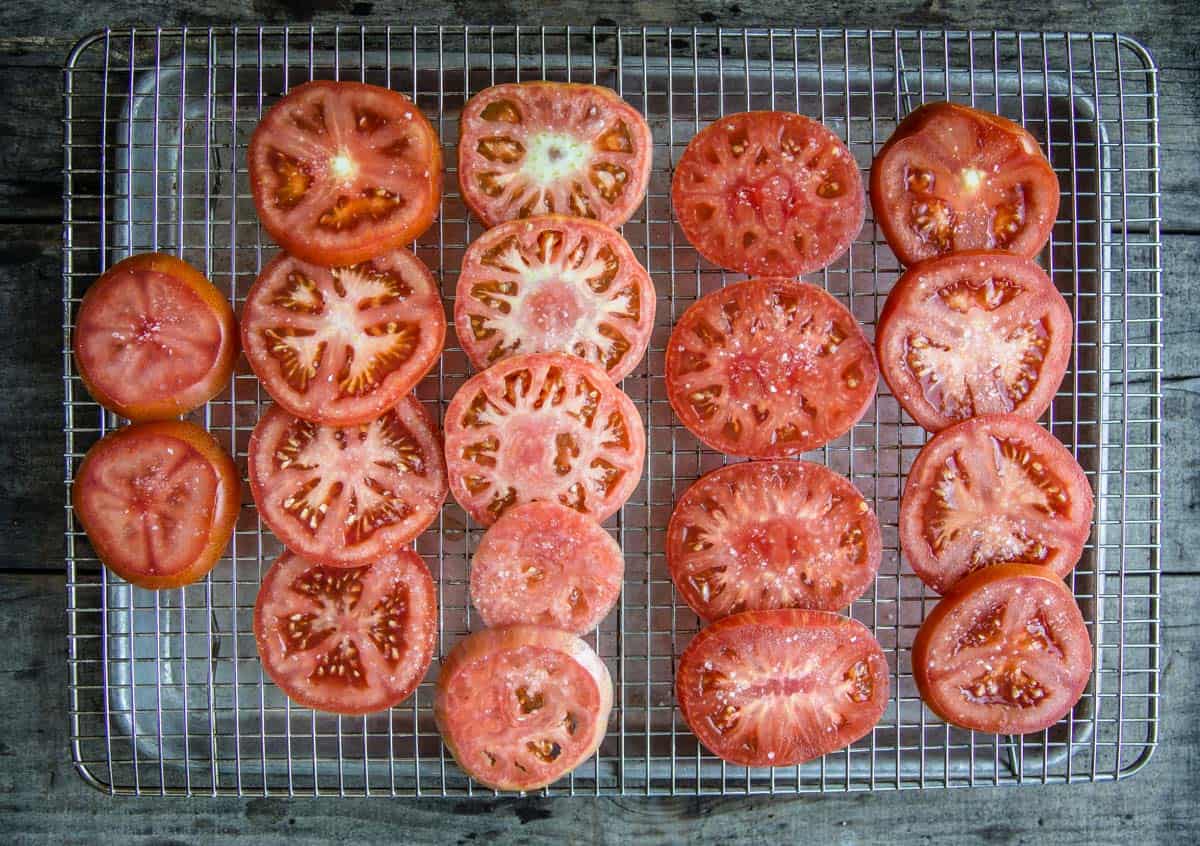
x=777 y=688
x=521 y=706
x=993 y=490
x=535 y=148
x=955 y=178
x=762 y=535
x=348 y=640
x=554 y=284
x=545 y=563
x=547 y=427
x=974 y=333
x=347 y=496
x=769 y=368
x=158 y=502
x=343 y=172
x=1006 y=651
x=768 y=193
x=154 y=339
x=342 y=345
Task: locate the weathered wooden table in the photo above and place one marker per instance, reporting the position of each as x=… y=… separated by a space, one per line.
x=42 y=800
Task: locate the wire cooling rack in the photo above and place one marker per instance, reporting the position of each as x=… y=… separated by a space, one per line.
x=166 y=692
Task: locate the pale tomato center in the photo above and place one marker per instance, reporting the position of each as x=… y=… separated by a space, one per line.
x=342 y=167
x=552 y=156
x=552 y=311
x=530 y=458
x=753 y=376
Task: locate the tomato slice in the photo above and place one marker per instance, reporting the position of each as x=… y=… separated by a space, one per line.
x=348 y=640
x=158 y=502
x=954 y=178
x=343 y=172
x=974 y=333
x=545 y=563
x=521 y=706
x=993 y=490
x=777 y=688
x=1005 y=652
x=768 y=193
x=762 y=535
x=546 y=427
x=554 y=284
x=342 y=345
x=154 y=339
x=347 y=496
x=768 y=368
x=533 y=148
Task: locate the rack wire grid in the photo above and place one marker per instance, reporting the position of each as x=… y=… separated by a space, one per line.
x=167 y=695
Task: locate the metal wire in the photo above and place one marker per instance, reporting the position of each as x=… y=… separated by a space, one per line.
x=166 y=692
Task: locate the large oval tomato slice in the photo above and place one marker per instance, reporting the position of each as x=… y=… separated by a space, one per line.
x=347 y=496
x=534 y=148
x=974 y=333
x=993 y=490
x=762 y=535
x=769 y=368
x=158 y=502
x=348 y=640
x=545 y=563
x=521 y=706
x=554 y=284
x=954 y=178
x=343 y=172
x=1005 y=652
x=768 y=193
x=342 y=345
x=777 y=688
x=154 y=339
x=543 y=427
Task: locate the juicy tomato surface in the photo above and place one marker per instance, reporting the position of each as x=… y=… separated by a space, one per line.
x=545 y=563
x=768 y=193
x=342 y=345
x=343 y=172
x=546 y=427
x=777 y=688
x=1005 y=652
x=974 y=333
x=533 y=148
x=344 y=496
x=762 y=535
x=154 y=339
x=348 y=640
x=768 y=368
x=521 y=706
x=158 y=501
x=954 y=178
x=991 y=490
x=554 y=284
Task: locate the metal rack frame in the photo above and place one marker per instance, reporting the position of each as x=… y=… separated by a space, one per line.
x=166 y=692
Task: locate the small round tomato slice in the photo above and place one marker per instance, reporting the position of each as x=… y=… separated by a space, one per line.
x=762 y=535
x=768 y=193
x=768 y=368
x=545 y=563
x=548 y=427
x=974 y=333
x=778 y=688
x=343 y=172
x=521 y=706
x=533 y=148
x=347 y=496
x=554 y=284
x=993 y=490
x=342 y=345
x=154 y=339
x=158 y=502
x=954 y=178
x=1005 y=652
x=348 y=640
